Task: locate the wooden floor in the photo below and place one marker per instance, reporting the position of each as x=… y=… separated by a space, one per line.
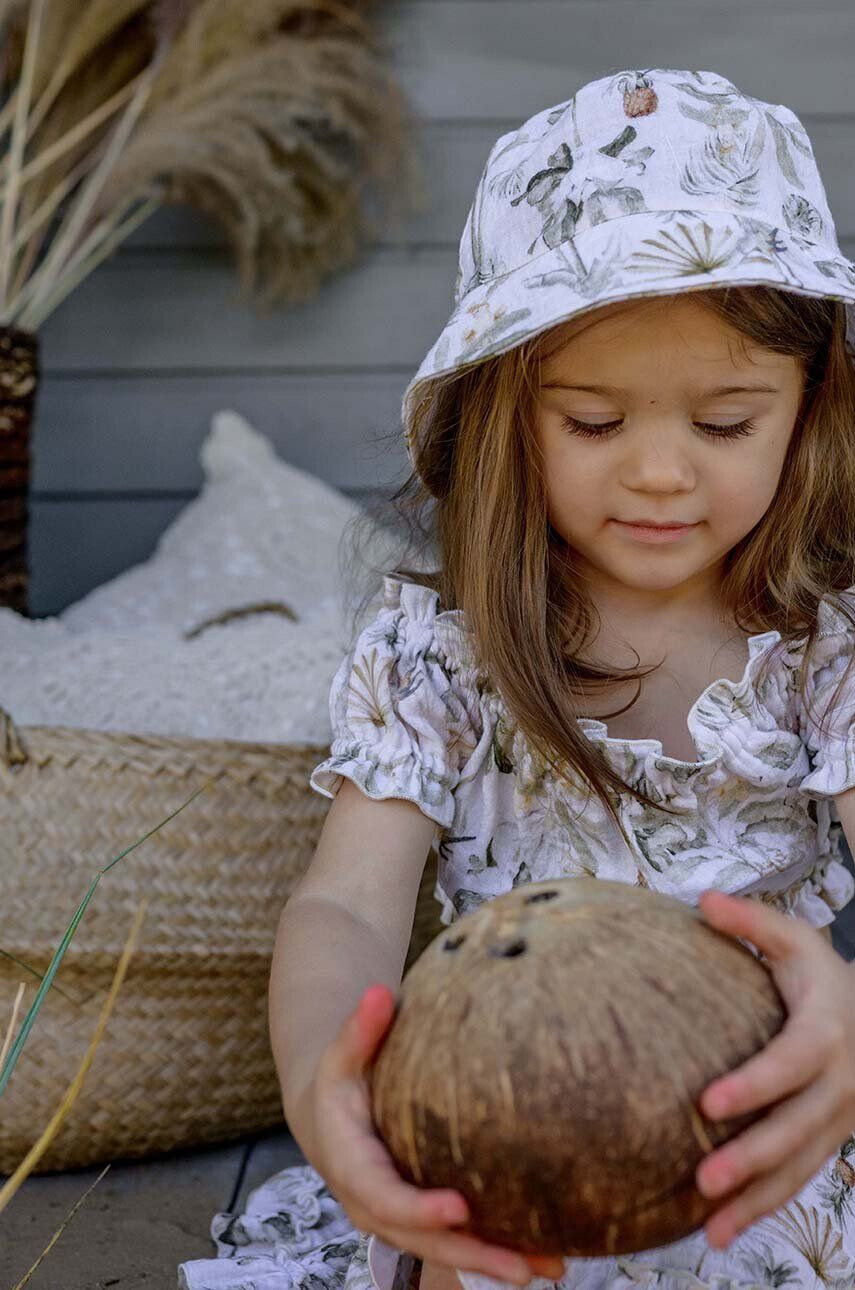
x=140 y=1222
x=146 y=1217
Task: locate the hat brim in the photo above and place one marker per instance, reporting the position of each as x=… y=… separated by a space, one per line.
x=650 y=253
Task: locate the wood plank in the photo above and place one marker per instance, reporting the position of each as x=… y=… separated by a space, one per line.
x=142 y=433
x=142 y=1219
x=386 y=311
x=453 y=155
x=183 y=312
x=474 y=58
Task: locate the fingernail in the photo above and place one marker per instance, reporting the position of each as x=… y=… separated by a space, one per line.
x=715 y=1105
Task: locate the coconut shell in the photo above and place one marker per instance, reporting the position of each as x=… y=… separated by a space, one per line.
x=546 y=1057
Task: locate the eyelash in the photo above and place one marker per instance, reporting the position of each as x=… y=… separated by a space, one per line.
x=586 y=431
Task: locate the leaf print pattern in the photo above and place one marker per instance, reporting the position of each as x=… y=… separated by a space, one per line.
x=588 y=280
x=787 y=137
x=836 y=269
x=803 y=219
x=611 y=198
x=837 y=1184
x=617 y=145
x=767 y=1267
x=543 y=183
x=447 y=842
x=513 y=822
x=500 y=747
x=365 y=688
x=496 y=327
x=725 y=164
x=465 y=901
x=718 y=109
x=813 y=1235
x=692 y=250
x=603 y=160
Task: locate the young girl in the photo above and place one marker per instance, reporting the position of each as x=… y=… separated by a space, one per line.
x=650 y=329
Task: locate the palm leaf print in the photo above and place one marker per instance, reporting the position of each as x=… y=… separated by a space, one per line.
x=812 y=1235
x=364 y=690
x=683 y=259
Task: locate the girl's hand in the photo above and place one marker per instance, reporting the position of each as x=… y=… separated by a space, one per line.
x=811 y=1059
x=353 y=1161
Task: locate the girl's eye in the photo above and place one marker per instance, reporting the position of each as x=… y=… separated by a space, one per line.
x=587 y=431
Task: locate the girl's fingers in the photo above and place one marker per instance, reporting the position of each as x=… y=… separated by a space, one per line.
x=768 y=1144
x=364 y=1029
x=547 y=1265
x=785 y=1064
x=766 y=1195
x=395 y=1202
x=457 y=1250
x=774 y=934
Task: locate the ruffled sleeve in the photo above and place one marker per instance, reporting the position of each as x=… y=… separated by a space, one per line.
x=388 y=709
x=828 y=731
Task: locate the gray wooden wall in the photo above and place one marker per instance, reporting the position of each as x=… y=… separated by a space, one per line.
x=137 y=359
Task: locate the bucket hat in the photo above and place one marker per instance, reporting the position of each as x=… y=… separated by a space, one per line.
x=644 y=183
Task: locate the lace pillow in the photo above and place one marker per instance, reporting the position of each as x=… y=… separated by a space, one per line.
x=258 y=678
x=260 y=530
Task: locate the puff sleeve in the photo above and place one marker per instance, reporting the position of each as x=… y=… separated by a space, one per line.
x=388 y=710
x=827 y=731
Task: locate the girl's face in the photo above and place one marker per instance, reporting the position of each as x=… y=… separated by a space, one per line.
x=659 y=406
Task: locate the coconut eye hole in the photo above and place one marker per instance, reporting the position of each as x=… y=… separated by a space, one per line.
x=541 y=895
x=509 y=951
x=455 y=944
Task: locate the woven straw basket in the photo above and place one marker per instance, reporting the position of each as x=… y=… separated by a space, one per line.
x=185 y=1058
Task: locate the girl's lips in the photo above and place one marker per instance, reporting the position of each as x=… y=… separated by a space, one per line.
x=648 y=533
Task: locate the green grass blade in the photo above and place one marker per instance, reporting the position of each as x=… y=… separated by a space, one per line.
x=33 y=972
x=26 y=1025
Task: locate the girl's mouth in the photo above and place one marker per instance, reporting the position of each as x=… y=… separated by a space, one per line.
x=656 y=533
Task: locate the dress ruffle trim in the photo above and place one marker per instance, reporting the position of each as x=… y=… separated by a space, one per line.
x=834 y=773
x=406 y=779
x=725 y=721
x=824 y=892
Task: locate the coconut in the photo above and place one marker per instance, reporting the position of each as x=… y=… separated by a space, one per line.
x=546 y=1058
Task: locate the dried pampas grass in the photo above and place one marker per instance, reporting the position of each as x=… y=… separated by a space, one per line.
x=274 y=117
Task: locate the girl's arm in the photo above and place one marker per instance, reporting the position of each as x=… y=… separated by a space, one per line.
x=346 y=925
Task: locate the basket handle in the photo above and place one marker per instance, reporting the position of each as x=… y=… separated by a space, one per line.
x=263 y=607
x=12 y=749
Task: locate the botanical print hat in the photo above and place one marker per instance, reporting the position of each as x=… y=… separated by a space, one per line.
x=641 y=184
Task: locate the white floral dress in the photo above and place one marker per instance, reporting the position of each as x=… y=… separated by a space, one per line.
x=413 y=719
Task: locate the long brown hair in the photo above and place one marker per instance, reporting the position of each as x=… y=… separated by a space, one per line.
x=476 y=506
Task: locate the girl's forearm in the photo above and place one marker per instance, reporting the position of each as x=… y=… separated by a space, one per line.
x=324 y=958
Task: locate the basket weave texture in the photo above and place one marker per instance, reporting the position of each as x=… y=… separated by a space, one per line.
x=185 y=1058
